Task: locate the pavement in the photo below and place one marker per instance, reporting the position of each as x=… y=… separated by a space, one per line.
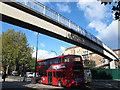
x=16 y=83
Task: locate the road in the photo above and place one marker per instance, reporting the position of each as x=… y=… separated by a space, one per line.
x=15 y=83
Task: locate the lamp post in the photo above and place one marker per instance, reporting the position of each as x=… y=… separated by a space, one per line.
x=54 y=52
x=34 y=78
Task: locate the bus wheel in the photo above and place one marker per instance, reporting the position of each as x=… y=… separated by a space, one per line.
x=40 y=81
x=59 y=83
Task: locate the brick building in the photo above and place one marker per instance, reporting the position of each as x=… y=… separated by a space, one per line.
x=88 y=55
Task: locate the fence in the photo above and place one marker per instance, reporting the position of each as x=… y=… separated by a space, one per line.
x=106 y=74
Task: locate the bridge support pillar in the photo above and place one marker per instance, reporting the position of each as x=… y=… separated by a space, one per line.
x=112 y=65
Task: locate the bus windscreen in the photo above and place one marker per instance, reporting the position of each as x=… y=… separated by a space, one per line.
x=76 y=60
x=77 y=70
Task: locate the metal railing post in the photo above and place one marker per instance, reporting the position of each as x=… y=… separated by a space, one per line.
x=44 y=10
x=58 y=17
x=69 y=23
x=25 y=2
x=78 y=29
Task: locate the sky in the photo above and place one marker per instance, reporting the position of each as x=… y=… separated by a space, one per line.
x=89 y=14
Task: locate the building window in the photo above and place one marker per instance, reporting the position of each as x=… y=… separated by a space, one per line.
x=85 y=52
x=99 y=60
x=73 y=53
x=104 y=61
x=86 y=57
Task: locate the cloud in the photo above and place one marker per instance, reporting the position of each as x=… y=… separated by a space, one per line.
x=43 y=1
x=110 y=35
x=92 y=9
x=42 y=45
x=98 y=16
x=62 y=49
x=35 y=33
x=43 y=54
x=58 y=0
x=95 y=13
x=34 y=49
x=98 y=25
x=63 y=8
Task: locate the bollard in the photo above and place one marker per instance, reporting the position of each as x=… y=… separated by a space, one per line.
x=20 y=77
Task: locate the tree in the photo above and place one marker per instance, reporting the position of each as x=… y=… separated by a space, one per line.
x=115 y=8
x=62 y=53
x=31 y=65
x=15 y=50
x=91 y=64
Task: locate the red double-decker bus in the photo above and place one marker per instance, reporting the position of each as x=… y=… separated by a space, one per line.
x=66 y=70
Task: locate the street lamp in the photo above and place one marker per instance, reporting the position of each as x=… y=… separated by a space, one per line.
x=34 y=78
x=54 y=52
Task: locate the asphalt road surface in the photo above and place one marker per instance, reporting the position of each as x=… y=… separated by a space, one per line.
x=14 y=83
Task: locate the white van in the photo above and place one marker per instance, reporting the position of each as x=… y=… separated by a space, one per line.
x=36 y=74
x=29 y=74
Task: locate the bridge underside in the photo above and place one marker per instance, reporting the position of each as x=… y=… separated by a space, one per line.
x=25 y=17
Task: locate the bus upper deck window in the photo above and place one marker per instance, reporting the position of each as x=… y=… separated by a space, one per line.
x=76 y=60
x=65 y=60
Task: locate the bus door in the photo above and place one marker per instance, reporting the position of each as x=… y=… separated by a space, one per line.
x=49 y=77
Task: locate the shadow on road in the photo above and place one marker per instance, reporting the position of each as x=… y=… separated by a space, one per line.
x=95 y=85
x=15 y=85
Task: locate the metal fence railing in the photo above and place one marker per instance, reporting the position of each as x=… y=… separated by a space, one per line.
x=39 y=7
x=48 y=12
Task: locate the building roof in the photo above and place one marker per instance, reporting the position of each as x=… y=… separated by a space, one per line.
x=71 y=48
x=116 y=49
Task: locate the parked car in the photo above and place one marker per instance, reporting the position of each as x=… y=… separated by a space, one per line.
x=36 y=74
x=14 y=73
x=29 y=74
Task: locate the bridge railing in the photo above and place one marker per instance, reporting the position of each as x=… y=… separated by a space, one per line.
x=39 y=7
x=48 y=12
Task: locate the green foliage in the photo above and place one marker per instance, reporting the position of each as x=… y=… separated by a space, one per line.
x=15 y=49
x=62 y=53
x=115 y=8
x=31 y=64
x=91 y=65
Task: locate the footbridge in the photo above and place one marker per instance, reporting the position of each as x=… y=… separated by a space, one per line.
x=35 y=16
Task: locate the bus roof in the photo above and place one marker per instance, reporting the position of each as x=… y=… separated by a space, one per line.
x=57 y=57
